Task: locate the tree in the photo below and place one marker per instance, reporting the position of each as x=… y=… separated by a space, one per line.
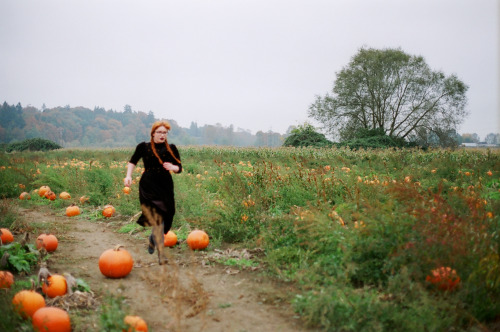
x=391 y=91
x=492 y=138
x=470 y=138
x=305 y=135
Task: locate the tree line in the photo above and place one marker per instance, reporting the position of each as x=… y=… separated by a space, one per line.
x=83 y=127
x=381 y=98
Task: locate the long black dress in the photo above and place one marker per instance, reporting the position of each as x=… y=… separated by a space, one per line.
x=156 y=187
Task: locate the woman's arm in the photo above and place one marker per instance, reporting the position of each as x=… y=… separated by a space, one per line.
x=128 y=178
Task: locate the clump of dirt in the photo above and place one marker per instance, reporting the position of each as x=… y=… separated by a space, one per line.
x=190 y=293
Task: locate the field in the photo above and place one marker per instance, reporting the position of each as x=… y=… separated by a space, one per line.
x=400 y=240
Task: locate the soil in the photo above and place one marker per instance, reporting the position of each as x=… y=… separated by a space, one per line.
x=190 y=293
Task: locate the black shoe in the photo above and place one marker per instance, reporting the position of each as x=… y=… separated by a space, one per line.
x=151 y=246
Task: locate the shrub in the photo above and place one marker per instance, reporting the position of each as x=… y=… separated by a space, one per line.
x=33 y=144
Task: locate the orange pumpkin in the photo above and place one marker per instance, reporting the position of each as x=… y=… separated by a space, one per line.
x=24 y=195
x=126 y=190
x=6 y=236
x=47 y=241
x=6 y=279
x=197 y=239
x=108 y=211
x=136 y=323
x=116 y=263
x=72 y=210
x=51 y=319
x=64 y=195
x=50 y=195
x=169 y=239
x=57 y=286
x=43 y=190
x=27 y=302
x=84 y=199
x=445 y=278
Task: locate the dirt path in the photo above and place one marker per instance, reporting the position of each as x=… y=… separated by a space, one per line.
x=188 y=294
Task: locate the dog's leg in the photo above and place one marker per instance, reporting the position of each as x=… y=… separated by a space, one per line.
x=158 y=235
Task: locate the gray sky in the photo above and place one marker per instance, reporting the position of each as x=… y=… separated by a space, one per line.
x=256 y=64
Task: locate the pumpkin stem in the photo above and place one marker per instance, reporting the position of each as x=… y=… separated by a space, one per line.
x=118 y=247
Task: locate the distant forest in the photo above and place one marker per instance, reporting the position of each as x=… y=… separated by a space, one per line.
x=83 y=127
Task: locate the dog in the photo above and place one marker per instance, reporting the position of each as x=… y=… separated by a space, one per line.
x=155 y=220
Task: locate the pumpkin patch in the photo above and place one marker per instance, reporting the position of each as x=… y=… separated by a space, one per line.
x=170 y=239
x=47 y=241
x=43 y=190
x=198 y=240
x=136 y=323
x=116 y=263
x=57 y=286
x=72 y=210
x=24 y=196
x=6 y=279
x=6 y=236
x=64 y=195
x=51 y=319
x=27 y=302
x=108 y=211
x=50 y=195
x=445 y=278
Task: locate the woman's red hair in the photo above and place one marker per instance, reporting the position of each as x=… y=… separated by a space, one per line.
x=155 y=126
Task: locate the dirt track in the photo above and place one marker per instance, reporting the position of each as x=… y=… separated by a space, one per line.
x=190 y=293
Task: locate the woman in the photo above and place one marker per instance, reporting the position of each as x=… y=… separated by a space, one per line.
x=156 y=187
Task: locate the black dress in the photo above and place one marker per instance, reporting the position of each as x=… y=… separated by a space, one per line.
x=156 y=187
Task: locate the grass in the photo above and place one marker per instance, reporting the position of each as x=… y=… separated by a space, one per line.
x=358 y=232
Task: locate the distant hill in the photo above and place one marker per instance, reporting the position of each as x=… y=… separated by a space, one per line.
x=83 y=127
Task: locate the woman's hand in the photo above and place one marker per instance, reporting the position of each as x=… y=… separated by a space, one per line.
x=170 y=167
x=127 y=181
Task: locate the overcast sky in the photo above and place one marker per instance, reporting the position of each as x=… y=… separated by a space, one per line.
x=255 y=64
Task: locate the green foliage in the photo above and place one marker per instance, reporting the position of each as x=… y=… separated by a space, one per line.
x=305 y=135
x=113 y=314
x=238 y=262
x=99 y=184
x=356 y=231
x=21 y=258
x=373 y=139
x=33 y=144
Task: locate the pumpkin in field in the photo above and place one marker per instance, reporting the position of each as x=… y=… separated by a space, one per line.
x=6 y=236
x=64 y=195
x=57 y=286
x=108 y=211
x=6 y=279
x=126 y=190
x=27 y=302
x=136 y=323
x=72 y=210
x=47 y=241
x=84 y=199
x=51 y=319
x=50 y=195
x=116 y=263
x=197 y=239
x=43 y=190
x=24 y=196
x=445 y=278
x=169 y=239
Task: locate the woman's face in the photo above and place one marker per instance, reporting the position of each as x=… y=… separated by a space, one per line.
x=160 y=134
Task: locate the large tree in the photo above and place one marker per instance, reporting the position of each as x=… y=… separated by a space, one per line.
x=391 y=91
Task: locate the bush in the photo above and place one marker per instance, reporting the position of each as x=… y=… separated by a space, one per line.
x=33 y=144
x=305 y=136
